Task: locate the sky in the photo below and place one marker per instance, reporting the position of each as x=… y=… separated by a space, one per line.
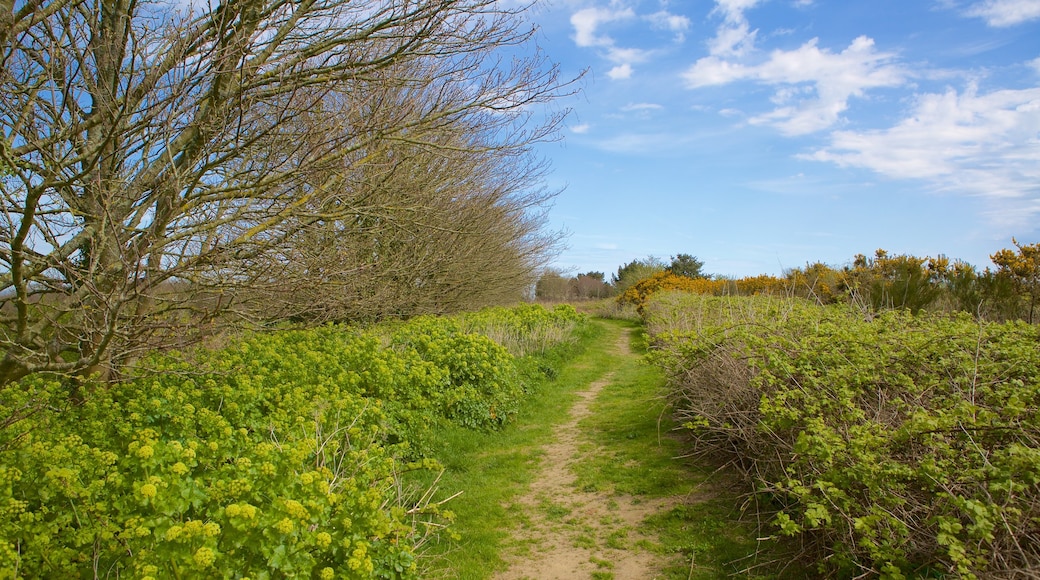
x=762 y=135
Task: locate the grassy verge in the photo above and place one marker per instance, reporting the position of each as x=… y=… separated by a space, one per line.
x=630 y=451
x=491 y=468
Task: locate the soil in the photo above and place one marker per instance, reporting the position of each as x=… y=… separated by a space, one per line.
x=570 y=534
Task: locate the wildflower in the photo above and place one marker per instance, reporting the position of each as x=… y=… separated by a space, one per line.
x=179 y=468
x=323 y=539
x=204 y=557
x=327 y=573
x=148 y=490
x=145 y=451
x=296 y=509
x=285 y=526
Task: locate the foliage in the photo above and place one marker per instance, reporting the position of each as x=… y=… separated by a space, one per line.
x=524 y=329
x=172 y=165
x=901 y=281
x=635 y=271
x=1023 y=269
x=896 y=445
x=555 y=286
x=278 y=455
x=639 y=293
x=686 y=265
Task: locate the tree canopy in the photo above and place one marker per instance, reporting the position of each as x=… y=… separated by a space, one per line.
x=169 y=165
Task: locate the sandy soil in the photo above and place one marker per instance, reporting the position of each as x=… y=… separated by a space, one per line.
x=568 y=534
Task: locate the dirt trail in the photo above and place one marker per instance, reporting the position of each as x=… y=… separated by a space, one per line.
x=569 y=534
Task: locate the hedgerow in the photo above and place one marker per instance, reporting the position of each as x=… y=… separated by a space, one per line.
x=279 y=455
x=893 y=445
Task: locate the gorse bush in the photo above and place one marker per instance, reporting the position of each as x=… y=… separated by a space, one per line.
x=895 y=445
x=279 y=455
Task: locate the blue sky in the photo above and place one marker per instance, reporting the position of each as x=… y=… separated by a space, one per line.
x=761 y=135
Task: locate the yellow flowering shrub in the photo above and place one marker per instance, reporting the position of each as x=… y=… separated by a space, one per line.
x=273 y=456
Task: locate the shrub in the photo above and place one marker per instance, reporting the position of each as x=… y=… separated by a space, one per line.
x=893 y=444
x=279 y=455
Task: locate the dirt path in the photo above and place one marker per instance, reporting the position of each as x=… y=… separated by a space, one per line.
x=567 y=533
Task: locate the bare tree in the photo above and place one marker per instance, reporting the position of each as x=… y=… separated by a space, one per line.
x=163 y=159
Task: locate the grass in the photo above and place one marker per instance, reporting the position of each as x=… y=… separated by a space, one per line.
x=492 y=468
x=630 y=452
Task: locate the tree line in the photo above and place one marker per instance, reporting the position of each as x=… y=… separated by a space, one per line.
x=1009 y=290
x=168 y=169
x=555 y=285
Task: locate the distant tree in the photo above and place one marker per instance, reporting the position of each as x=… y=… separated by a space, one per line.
x=1023 y=269
x=635 y=271
x=686 y=265
x=590 y=285
x=553 y=286
x=902 y=281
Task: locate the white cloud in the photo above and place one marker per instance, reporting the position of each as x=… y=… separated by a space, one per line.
x=587 y=21
x=676 y=23
x=733 y=40
x=641 y=107
x=627 y=55
x=1035 y=63
x=622 y=71
x=733 y=10
x=643 y=143
x=814 y=84
x=1001 y=13
x=581 y=129
x=980 y=144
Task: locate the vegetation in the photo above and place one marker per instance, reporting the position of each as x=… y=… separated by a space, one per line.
x=636 y=270
x=555 y=286
x=896 y=445
x=169 y=167
x=686 y=265
x=279 y=454
x=874 y=284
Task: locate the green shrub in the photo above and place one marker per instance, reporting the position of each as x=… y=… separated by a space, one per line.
x=894 y=444
x=279 y=455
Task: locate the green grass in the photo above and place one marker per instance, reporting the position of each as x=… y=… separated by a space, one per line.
x=631 y=453
x=493 y=468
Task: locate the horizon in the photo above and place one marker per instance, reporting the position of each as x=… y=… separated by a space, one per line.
x=762 y=135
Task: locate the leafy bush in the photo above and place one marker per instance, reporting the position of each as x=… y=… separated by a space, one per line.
x=892 y=444
x=278 y=455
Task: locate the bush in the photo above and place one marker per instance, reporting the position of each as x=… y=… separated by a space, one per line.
x=892 y=444
x=279 y=455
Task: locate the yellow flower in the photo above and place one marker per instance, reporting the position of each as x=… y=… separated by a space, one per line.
x=285 y=526
x=145 y=451
x=148 y=490
x=179 y=468
x=327 y=573
x=296 y=509
x=204 y=557
x=323 y=539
